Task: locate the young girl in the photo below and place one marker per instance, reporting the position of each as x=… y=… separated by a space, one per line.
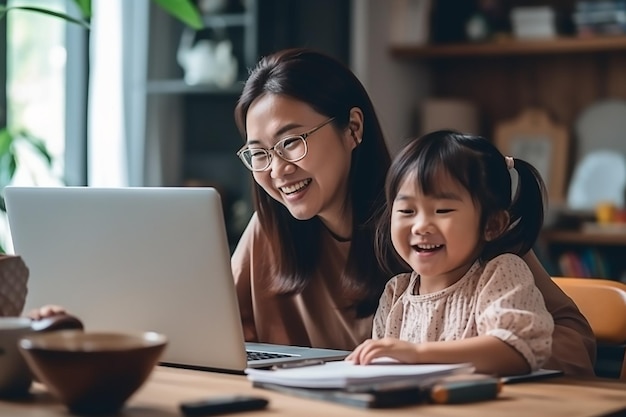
x=470 y=297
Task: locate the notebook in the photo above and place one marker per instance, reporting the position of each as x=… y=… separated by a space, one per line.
x=141 y=259
x=348 y=376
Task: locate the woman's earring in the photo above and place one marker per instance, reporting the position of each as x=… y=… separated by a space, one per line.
x=357 y=140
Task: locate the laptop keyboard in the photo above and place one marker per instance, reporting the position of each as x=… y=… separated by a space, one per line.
x=256 y=356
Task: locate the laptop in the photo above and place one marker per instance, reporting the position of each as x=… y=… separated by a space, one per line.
x=142 y=259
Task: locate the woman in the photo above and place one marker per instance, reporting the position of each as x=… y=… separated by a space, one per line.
x=305 y=269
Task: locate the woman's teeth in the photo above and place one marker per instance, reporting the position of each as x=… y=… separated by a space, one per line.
x=295 y=187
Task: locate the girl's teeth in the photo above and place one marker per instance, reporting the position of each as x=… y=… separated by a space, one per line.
x=428 y=247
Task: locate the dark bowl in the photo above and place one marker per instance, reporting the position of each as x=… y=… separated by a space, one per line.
x=92 y=373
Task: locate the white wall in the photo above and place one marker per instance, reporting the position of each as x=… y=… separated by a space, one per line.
x=395 y=86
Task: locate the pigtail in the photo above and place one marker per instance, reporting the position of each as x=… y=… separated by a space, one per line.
x=526 y=211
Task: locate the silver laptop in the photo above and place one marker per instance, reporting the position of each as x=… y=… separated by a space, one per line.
x=138 y=259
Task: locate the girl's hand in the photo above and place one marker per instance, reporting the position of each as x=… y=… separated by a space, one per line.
x=48 y=310
x=390 y=347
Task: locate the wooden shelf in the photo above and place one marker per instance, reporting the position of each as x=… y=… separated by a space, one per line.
x=224 y=20
x=583 y=238
x=564 y=45
x=176 y=86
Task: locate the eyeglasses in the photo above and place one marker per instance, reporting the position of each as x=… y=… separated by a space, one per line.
x=291 y=149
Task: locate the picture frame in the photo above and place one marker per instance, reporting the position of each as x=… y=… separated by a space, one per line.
x=536 y=139
x=410 y=22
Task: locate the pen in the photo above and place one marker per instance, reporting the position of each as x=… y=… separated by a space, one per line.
x=300 y=364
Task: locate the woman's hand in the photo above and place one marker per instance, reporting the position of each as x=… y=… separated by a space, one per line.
x=389 y=347
x=46 y=311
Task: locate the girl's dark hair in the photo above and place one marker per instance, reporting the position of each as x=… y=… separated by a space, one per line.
x=331 y=89
x=481 y=169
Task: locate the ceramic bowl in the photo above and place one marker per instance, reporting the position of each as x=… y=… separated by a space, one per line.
x=92 y=372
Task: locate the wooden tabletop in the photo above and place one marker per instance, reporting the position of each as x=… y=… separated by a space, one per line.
x=167 y=387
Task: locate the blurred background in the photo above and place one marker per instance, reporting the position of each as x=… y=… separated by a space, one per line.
x=142 y=100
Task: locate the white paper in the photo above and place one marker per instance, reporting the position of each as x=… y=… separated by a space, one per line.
x=342 y=374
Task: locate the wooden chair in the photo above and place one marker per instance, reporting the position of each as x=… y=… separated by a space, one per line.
x=603 y=303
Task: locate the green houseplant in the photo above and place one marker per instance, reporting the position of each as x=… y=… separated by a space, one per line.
x=11 y=138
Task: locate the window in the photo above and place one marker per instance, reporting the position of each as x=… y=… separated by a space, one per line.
x=43 y=53
x=36 y=71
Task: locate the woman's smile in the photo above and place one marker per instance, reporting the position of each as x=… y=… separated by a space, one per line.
x=315 y=185
x=296 y=187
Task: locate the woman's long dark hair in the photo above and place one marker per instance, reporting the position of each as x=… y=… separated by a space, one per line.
x=481 y=169
x=331 y=89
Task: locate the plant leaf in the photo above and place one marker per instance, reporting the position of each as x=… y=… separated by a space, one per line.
x=12 y=166
x=6 y=155
x=4 y=10
x=6 y=140
x=8 y=165
x=85 y=8
x=39 y=145
x=183 y=10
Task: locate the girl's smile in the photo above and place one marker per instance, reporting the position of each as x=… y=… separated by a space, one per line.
x=437 y=235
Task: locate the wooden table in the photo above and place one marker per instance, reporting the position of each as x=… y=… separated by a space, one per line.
x=160 y=396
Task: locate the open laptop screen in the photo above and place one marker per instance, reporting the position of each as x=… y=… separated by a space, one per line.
x=134 y=259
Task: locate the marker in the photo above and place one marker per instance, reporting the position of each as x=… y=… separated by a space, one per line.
x=300 y=364
x=468 y=388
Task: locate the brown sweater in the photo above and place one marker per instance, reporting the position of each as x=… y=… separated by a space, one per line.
x=315 y=318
